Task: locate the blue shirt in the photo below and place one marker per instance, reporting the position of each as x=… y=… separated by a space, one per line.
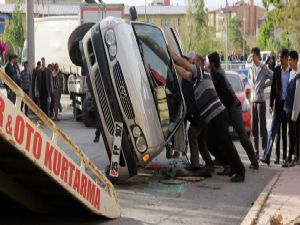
x=285 y=75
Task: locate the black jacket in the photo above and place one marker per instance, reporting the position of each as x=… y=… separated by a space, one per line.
x=224 y=89
x=276 y=91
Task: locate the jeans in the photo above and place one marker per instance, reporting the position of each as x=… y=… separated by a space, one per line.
x=278 y=117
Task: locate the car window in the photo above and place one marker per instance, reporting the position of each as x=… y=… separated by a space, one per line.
x=235 y=83
x=164 y=81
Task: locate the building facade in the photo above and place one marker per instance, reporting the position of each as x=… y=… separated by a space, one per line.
x=244 y=11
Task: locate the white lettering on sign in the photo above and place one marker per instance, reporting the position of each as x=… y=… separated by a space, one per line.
x=116 y=150
x=38 y=147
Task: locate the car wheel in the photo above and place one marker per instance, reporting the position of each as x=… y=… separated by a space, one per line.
x=73 y=42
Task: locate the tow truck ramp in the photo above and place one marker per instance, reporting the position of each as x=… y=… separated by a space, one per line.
x=35 y=173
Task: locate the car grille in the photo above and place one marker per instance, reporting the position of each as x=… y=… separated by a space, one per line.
x=104 y=104
x=122 y=91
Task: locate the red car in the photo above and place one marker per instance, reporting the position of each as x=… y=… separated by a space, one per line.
x=243 y=95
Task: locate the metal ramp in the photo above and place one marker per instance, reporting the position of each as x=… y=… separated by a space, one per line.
x=36 y=174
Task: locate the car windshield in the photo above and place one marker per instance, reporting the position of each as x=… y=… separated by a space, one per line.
x=235 y=83
x=161 y=77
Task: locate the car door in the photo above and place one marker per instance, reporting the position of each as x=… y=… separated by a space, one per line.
x=162 y=76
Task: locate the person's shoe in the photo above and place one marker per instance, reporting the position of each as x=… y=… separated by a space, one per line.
x=276 y=161
x=217 y=162
x=96 y=139
x=254 y=166
x=225 y=172
x=257 y=155
x=192 y=168
x=285 y=164
x=237 y=178
x=56 y=119
x=210 y=168
x=291 y=163
x=296 y=161
x=266 y=160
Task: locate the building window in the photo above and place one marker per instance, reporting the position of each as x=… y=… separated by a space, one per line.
x=165 y=22
x=150 y=20
x=179 y=21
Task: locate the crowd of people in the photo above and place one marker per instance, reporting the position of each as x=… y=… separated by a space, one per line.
x=212 y=105
x=44 y=85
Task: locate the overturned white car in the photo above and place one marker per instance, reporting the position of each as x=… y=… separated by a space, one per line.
x=135 y=88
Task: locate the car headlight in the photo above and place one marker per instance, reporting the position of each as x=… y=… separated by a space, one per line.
x=246 y=106
x=136 y=131
x=110 y=37
x=112 y=50
x=141 y=145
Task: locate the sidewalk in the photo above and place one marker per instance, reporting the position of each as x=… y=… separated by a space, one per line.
x=280 y=198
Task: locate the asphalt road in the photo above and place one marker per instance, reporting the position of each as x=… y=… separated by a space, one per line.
x=145 y=200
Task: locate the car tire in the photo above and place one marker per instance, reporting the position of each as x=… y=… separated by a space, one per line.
x=88 y=118
x=73 y=42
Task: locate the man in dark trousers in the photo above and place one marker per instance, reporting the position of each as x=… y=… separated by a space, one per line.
x=277 y=98
x=43 y=87
x=232 y=104
x=33 y=78
x=211 y=113
x=196 y=134
x=10 y=71
x=25 y=83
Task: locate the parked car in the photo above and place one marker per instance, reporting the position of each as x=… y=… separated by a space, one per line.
x=134 y=84
x=241 y=92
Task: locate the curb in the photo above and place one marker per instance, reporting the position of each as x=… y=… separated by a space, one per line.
x=253 y=215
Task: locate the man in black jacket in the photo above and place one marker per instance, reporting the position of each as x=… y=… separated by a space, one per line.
x=196 y=134
x=211 y=113
x=232 y=104
x=10 y=71
x=278 y=94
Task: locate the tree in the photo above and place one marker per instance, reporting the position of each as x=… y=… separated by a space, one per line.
x=234 y=34
x=14 y=33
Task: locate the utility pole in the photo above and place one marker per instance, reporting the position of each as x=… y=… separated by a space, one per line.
x=226 y=14
x=30 y=34
x=244 y=36
x=145 y=10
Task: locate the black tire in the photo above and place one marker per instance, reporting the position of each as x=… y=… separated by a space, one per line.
x=88 y=118
x=73 y=42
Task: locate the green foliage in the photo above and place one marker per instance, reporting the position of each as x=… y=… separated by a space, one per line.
x=14 y=33
x=235 y=37
x=196 y=34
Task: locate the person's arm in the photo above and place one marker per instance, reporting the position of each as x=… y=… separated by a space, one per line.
x=296 y=106
x=182 y=62
x=250 y=77
x=273 y=94
x=269 y=77
x=183 y=73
